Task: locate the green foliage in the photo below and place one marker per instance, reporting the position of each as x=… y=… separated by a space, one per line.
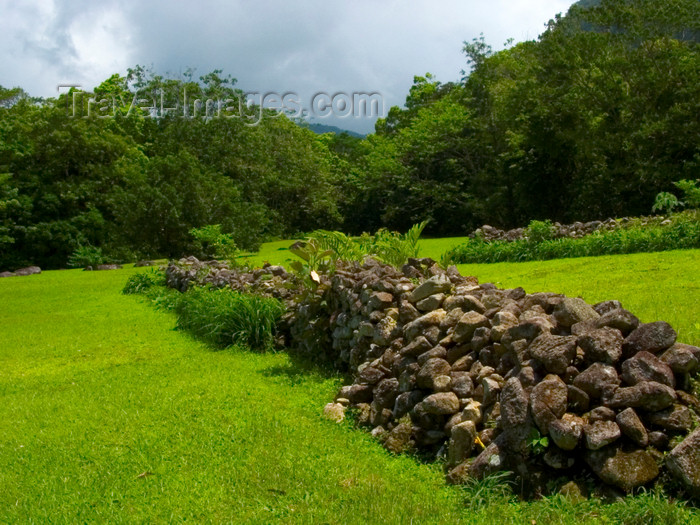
x=85 y=256
x=214 y=243
x=683 y=233
x=323 y=248
x=540 y=231
x=666 y=202
x=224 y=317
x=691 y=192
x=140 y=282
x=537 y=444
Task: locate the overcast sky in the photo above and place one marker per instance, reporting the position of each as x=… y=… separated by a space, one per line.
x=268 y=45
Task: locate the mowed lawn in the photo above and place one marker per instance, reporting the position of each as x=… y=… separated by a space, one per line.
x=107 y=414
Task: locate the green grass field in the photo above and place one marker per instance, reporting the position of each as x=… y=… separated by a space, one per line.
x=107 y=414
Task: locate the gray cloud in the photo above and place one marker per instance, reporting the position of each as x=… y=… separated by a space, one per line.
x=305 y=47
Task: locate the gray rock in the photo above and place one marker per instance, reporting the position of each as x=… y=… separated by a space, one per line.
x=492 y=459
x=602 y=345
x=501 y=322
x=422 y=324
x=601 y=414
x=407 y=312
x=527 y=330
x=466 y=326
x=625 y=470
x=356 y=393
x=676 y=418
x=644 y=366
x=572 y=310
x=651 y=337
x=578 y=400
x=430 y=303
x=461 y=443
x=558 y=459
x=684 y=462
x=514 y=403
x=33 y=270
x=441 y=404
x=597 y=379
x=548 y=402
x=386 y=391
x=601 y=434
x=566 y=432
x=607 y=306
x=621 y=319
x=406 y=401
x=437 y=351
x=436 y=284
x=647 y=395
x=554 y=352
x=380 y=301
x=683 y=359
x=399 y=439
x=462 y=384
x=416 y=347
x=430 y=370
x=632 y=427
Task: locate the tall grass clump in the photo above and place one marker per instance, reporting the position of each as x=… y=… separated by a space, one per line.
x=682 y=233
x=225 y=317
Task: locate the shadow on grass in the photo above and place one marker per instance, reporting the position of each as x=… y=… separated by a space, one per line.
x=303 y=368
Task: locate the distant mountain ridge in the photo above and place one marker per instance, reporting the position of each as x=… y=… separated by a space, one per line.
x=324 y=128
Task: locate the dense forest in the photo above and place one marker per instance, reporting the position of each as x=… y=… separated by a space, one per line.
x=592 y=120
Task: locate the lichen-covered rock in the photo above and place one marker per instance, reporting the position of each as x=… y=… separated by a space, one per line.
x=334 y=412
x=684 y=462
x=431 y=369
x=621 y=319
x=597 y=380
x=467 y=325
x=436 y=284
x=625 y=470
x=356 y=393
x=423 y=323
x=461 y=443
x=603 y=345
x=647 y=395
x=601 y=434
x=514 y=403
x=399 y=439
x=441 y=404
x=430 y=303
x=572 y=310
x=651 y=337
x=566 y=432
x=644 y=366
x=556 y=353
x=548 y=402
x=632 y=427
x=681 y=358
x=676 y=418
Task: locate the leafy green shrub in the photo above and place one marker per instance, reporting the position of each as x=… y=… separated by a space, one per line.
x=539 y=231
x=214 y=243
x=691 y=192
x=224 y=317
x=322 y=248
x=666 y=202
x=682 y=233
x=140 y=282
x=85 y=256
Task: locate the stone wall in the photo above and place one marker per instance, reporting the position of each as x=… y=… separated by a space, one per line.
x=477 y=375
x=575 y=230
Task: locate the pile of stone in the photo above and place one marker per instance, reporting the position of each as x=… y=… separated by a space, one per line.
x=574 y=231
x=29 y=270
x=451 y=368
x=271 y=281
